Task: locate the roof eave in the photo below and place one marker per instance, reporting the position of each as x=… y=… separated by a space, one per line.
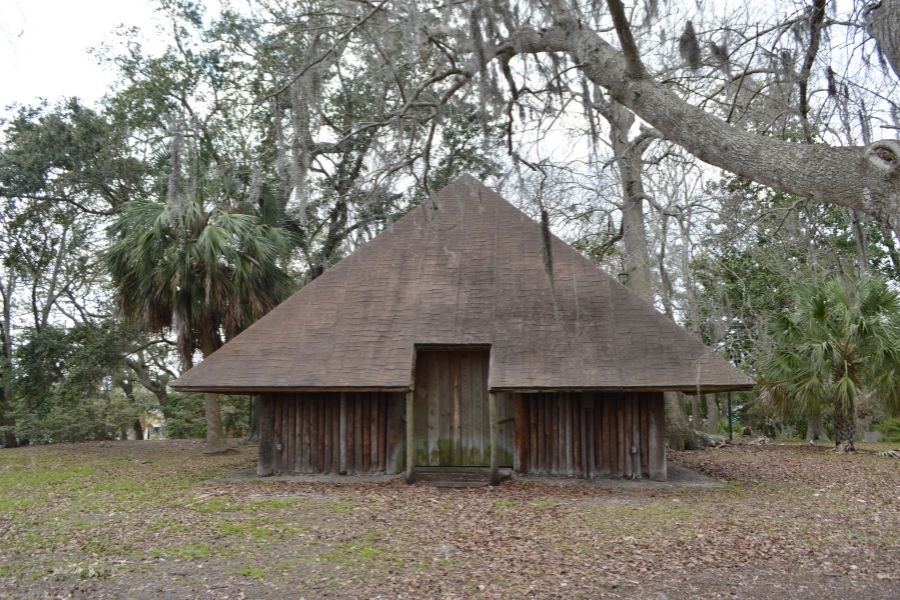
x=684 y=388
x=247 y=390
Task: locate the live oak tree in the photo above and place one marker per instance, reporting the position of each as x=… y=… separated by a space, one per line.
x=863 y=178
x=485 y=45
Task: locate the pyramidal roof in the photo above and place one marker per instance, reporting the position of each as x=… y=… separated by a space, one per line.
x=464 y=268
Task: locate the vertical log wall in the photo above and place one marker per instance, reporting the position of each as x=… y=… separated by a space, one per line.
x=583 y=434
x=332 y=432
x=589 y=434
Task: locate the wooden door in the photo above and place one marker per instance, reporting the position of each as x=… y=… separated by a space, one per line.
x=451 y=410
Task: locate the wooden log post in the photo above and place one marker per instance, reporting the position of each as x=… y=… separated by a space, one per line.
x=520 y=460
x=636 y=402
x=587 y=435
x=410 y=439
x=657 y=442
x=265 y=464
x=342 y=436
x=495 y=438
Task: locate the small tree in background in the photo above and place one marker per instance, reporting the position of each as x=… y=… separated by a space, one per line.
x=840 y=338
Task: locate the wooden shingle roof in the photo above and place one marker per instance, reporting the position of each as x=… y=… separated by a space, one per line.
x=465 y=267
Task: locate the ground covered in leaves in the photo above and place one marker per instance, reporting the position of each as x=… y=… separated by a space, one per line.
x=160 y=519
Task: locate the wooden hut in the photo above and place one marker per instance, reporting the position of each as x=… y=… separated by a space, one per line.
x=454 y=339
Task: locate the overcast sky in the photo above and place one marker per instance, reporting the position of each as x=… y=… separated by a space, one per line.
x=44 y=46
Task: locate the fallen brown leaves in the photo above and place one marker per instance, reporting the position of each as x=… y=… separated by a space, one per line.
x=140 y=520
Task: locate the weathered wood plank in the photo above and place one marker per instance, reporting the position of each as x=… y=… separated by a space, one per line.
x=587 y=436
x=556 y=437
x=395 y=451
x=322 y=433
x=520 y=459
x=342 y=435
x=469 y=386
x=494 y=439
x=625 y=410
x=578 y=434
x=420 y=440
x=378 y=435
x=645 y=450
x=657 y=440
x=439 y=412
x=636 y=438
x=331 y=416
x=608 y=441
x=365 y=419
x=384 y=411
x=306 y=415
x=458 y=365
x=410 y=437
x=531 y=407
x=278 y=433
x=570 y=411
x=350 y=436
x=265 y=462
x=358 y=444
x=478 y=445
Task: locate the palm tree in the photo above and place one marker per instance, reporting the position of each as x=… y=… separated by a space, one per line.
x=839 y=339
x=203 y=268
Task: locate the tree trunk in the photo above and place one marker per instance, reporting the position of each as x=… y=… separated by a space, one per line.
x=636 y=262
x=678 y=432
x=844 y=424
x=814 y=429
x=638 y=277
x=696 y=412
x=712 y=414
x=253 y=433
x=888 y=234
x=859 y=237
x=884 y=26
x=138 y=429
x=215 y=433
x=6 y=351
x=8 y=421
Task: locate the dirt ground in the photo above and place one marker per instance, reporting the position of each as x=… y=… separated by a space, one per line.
x=162 y=520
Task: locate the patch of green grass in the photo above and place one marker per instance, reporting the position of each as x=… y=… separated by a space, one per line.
x=250 y=572
x=277 y=504
x=504 y=505
x=105 y=547
x=247 y=530
x=16 y=504
x=546 y=503
x=365 y=550
x=11 y=570
x=190 y=551
x=168 y=526
x=33 y=540
x=341 y=506
x=23 y=477
x=351 y=553
x=218 y=504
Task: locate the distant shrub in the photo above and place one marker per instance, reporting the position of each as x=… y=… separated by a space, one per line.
x=185 y=417
x=889 y=429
